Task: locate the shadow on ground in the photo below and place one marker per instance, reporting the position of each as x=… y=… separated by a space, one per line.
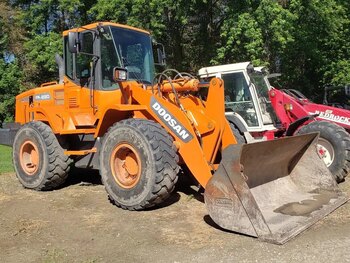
x=83 y=177
x=185 y=185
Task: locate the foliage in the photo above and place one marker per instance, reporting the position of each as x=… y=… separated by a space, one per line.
x=167 y=20
x=321 y=32
x=12 y=33
x=40 y=53
x=306 y=40
x=10 y=86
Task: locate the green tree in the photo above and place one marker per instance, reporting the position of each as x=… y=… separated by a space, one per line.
x=40 y=56
x=188 y=28
x=258 y=31
x=306 y=40
x=11 y=77
x=12 y=33
x=321 y=46
x=165 y=19
x=10 y=86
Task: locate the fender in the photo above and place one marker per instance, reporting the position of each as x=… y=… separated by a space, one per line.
x=114 y=113
x=298 y=123
x=240 y=124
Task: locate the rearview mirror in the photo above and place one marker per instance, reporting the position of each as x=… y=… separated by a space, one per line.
x=74 y=42
x=250 y=68
x=120 y=74
x=159 y=55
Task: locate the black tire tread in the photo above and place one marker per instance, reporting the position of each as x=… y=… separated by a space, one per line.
x=341 y=135
x=237 y=133
x=58 y=163
x=166 y=159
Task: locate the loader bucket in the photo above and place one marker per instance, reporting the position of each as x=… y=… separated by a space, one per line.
x=272 y=190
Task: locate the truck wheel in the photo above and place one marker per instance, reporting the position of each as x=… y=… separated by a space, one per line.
x=239 y=137
x=333 y=146
x=138 y=164
x=38 y=158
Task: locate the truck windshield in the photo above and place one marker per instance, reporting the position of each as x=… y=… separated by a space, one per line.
x=262 y=89
x=238 y=97
x=121 y=47
x=261 y=86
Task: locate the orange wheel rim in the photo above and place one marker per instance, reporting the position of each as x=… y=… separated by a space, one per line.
x=29 y=157
x=126 y=165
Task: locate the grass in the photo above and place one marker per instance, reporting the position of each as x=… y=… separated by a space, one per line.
x=5 y=159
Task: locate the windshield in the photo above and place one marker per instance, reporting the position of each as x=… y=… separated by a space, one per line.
x=261 y=86
x=238 y=97
x=121 y=47
x=262 y=89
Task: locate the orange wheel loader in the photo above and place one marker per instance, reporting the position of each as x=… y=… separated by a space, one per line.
x=110 y=111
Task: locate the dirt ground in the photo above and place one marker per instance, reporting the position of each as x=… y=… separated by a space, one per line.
x=77 y=223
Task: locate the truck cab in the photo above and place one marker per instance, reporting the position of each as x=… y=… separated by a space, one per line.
x=247 y=101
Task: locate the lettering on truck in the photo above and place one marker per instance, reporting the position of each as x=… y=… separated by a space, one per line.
x=42 y=96
x=170 y=121
x=328 y=115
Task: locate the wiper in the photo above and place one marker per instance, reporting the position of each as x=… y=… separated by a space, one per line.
x=132 y=74
x=143 y=81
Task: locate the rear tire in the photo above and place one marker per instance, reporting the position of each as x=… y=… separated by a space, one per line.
x=138 y=164
x=38 y=158
x=333 y=147
x=238 y=135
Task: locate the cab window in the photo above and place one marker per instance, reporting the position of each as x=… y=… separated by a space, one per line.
x=69 y=61
x=83 y=61
x=109 y=60
x=238 y=97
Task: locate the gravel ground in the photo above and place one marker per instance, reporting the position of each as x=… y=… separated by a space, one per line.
x=77 y=223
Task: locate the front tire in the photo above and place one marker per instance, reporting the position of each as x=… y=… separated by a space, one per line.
x=138 y=164
x=333 y=146
x=38 y=158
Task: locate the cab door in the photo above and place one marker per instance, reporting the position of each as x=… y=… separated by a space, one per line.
x=79 y=83
x=240 y=99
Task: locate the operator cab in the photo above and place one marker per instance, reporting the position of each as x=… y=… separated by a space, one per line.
x=246 y=94
x=96 y=51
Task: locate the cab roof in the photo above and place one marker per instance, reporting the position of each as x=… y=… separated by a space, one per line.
x=212 y=71
x=94 y=25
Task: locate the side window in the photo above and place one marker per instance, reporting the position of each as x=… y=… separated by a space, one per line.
x=236 y=87
x=68 y=59
x=238 y=98
x=83 y=61
x=109 y=60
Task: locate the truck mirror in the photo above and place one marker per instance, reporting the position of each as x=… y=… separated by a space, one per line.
x=74 y=43
x=161 y=56
x=250 y=68
x=120 y=74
